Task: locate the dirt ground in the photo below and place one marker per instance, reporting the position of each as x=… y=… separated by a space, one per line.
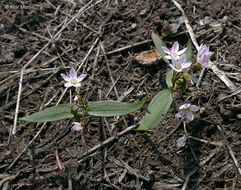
x=103 y=42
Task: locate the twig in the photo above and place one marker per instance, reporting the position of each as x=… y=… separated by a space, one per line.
x=220 y=143
x=107 y=141
x=117 y=80
x=108 y=67
x=58 y=160
x=226 y=80
x=234 y=93
x=230 y=150
x=8 y=178
x=13 y=131
x=189 y=142
x=184 y=187
x=128 y=47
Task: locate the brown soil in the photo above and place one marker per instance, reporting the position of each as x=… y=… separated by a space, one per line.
x=137 y=160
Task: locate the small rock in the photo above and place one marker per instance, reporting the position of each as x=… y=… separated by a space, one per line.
x=181 y=142
x=239 y=116
x=143 y=12
x=133 y=25
x=149 y=57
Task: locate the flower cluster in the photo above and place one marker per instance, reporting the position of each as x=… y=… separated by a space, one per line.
x=178 y=65
x=178 y=58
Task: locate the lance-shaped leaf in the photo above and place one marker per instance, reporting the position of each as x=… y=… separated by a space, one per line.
x=159 y=43
x=59 y=112
x=156 y=110
x=110 y=108
x=169 y=76
x=188 y=52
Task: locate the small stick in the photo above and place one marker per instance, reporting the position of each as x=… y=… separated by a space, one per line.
x=127 y=47
x=230 y=150
x=189 y=142
x=107 y=141
x=58 y=161
x=220 y=143
x=184 y=187
x=13 y=132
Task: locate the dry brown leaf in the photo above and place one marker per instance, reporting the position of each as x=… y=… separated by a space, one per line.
x=149 y=57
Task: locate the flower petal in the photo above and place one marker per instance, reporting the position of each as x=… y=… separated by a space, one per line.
x=81 y=77
x=179 y=114
x=182 y=59
x=172 y=66
x=184 y=106
x=175 y=47
x=190 y=116
x=186 y=65
x=67 y=84
x=77 y=85
x=66 y=78
x=168 y=57
x=182 y=51
x=77 y=126
x=194 y=108
x=72 y=73
x=166 y=50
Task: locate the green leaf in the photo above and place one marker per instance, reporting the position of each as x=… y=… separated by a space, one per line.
x=169 y=76
x=189 y=51
x=156 y=110
x=54 y=113
x=110 y=108
x=159 y=43
x=195 y=79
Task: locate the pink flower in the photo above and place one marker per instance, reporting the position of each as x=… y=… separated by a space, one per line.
x=76 y=99
x=179 y=64
x=173 y=52
x=77 y=126
x=187 y=111
x=72 y=79
x=203 y=56
x=190 y=82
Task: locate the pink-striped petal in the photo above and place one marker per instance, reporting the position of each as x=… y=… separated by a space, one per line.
x=186 y=65
x=194 y=108
x=167 y=51
x=72 y=73
x=179 y=115
x=175 y=47
x=66 y=78
x=190 y=116
x=182 y=59
x=67 y=84
x=184 y=106
x=81 y=77
x=182 y=51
